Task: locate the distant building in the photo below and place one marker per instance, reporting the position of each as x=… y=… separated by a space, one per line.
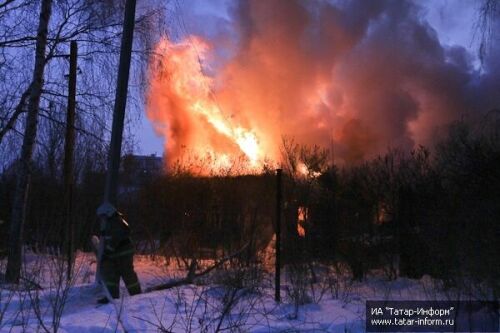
x=137 y=170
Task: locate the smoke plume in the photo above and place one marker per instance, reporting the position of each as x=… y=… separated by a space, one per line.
x=359 y=76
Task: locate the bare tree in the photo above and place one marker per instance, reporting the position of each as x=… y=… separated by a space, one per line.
x=96 y=27
x=31 y=104
x=488 y=13
x=24 y=171
x=16 y=33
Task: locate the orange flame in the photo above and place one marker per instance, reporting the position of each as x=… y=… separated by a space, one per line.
x=178 y=84
x=300 y=69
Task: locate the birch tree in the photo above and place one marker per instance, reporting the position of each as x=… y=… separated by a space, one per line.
x=24 y=165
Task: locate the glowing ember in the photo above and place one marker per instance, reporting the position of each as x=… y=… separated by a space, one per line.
x=302 y=213
x=301 y=231
x=304 y=171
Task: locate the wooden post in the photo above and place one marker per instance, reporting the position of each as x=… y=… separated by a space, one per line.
x=277 y=269
x=69 y=148
x=111 y=187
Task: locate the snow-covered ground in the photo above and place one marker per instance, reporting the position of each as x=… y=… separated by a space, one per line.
x=216 y=303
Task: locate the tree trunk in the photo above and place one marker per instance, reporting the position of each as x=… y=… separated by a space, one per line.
x=24 y=165
x=111 y=187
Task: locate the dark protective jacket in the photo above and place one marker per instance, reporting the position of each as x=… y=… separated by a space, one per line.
x=117 y=237
x=118 y=257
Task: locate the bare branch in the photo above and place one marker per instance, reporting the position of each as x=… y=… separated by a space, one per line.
x=17 y=112
x=192 y=275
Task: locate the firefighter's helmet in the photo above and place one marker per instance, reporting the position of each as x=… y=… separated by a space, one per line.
x=106 y=209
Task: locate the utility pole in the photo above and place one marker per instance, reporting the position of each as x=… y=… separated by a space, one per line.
x=111 y=187
x=277 y=268
x=69 y=148
x=115 y=148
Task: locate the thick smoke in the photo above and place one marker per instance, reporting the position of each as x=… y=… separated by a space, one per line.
x=359 y=75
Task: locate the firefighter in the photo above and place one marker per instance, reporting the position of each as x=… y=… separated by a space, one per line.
x=118 y=257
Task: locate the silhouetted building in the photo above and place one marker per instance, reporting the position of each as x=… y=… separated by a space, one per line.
x=137 y=170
